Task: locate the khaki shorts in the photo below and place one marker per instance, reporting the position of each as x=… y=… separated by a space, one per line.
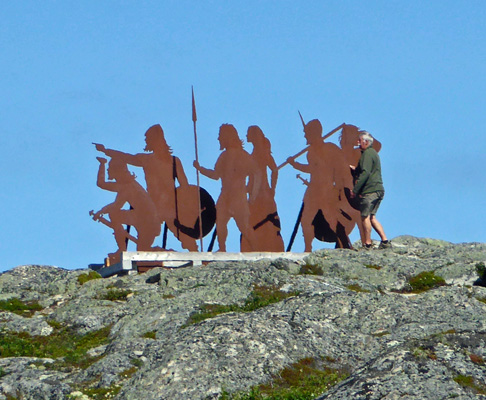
x=370 y=203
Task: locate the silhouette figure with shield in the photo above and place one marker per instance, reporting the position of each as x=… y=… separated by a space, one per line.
x=176 y=206
x=326 y=213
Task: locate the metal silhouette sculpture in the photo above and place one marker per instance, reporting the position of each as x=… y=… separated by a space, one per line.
x=233 y=167
x=128 y=191
x=326 y=213
x=176 y=206
x=264 y=218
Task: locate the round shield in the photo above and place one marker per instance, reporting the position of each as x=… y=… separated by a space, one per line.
x=188 y=211
x=322 y=230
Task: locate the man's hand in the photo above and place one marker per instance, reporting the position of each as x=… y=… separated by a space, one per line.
x=291 y=161
x=96 y=215
x=102 y=160
x=100 y=147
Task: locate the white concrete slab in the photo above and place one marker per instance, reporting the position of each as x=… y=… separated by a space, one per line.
x=177 y=259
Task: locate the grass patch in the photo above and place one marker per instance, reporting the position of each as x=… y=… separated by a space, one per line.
x=83 y=278
x=481 y=270
x=150 y=335
x=381 y=334
x=116 y=295
x=373 y=266
x=356 y=288
x=128 y=372
x=261 y=296
x=102 y=393
x=424 y=352
x=17 y=306
x=469 y=382
x=64 y=345
x=136 y=362
x=311 y=269
x=55 y=324
x=304 y=380
x=422 y=282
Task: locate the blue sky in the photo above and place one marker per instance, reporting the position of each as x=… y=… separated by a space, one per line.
x=73 y=73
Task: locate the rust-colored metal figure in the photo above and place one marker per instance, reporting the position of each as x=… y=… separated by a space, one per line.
x=127 y=190
x=175 y=206
x=234 y=166
x=248 y=181
x=263 y=210
x=326 y=214
x=347 y=141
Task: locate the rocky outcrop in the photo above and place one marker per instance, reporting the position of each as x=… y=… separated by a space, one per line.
x=355 y=311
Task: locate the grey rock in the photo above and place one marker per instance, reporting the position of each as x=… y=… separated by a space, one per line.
x=355 y=315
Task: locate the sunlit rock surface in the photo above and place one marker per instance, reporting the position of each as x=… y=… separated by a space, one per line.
x=358 y=313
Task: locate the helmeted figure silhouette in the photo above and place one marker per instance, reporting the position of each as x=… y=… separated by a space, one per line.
x=326 y=211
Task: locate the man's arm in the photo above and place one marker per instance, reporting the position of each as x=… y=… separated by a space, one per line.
x=181 y=175
x=297 y=165
x=274 y=173
x=132 y=159
x=101 y=179
x=210 y=173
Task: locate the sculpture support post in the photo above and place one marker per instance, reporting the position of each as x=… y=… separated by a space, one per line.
x=194 y=119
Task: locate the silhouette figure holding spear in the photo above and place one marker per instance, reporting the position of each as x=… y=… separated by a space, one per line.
x=325 y=207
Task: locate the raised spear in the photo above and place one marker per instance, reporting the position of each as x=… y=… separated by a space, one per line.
x=194 y=119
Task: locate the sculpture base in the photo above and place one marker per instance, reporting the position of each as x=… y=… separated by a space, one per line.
x=141 y=261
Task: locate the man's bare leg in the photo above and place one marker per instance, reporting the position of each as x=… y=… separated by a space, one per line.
x=307 y=229
x=378 y=228
x=243 y=223
x=222 y=229
x=361 y=230
x=366 y=229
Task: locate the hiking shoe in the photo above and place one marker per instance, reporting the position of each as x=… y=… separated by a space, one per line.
x=385 y=244
x=367 y=246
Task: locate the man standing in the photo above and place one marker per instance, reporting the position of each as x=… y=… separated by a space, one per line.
x=369 y=186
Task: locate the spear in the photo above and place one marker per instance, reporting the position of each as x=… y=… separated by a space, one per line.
x=302 y=119
x=194 y=119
